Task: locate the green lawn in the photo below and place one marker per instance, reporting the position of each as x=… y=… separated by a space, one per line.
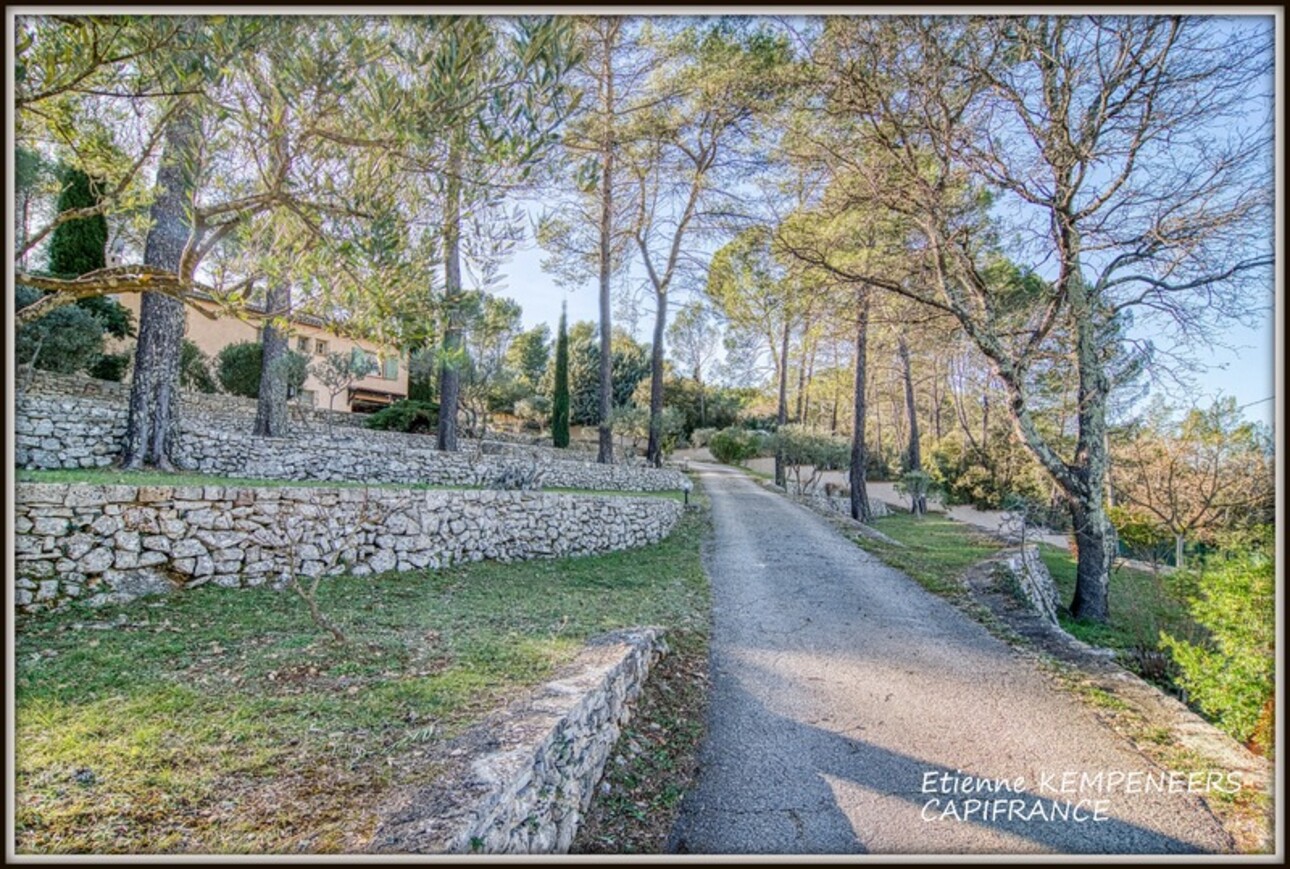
x=1142 y=605
x=218 y=721
x=113 y=476
x=937 y=550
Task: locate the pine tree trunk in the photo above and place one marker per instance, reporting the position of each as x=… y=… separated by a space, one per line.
x=604 y=426
x=810 y=379
x=985 y=424
x=271 y=407
x=153 y=420
x=654 y=452
x=919 y=502
x=938 y=399
x=1094 y=534
x=781 y=416
x=449 y=371
x=877 y=424
x=859 y=458
x=801 y=386
x=1095 y=548
x=1110 y=488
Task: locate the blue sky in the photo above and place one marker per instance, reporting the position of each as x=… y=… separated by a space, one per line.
x=1245 y=371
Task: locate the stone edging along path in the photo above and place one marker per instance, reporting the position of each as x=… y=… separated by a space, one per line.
x=113 y=543
x=520 y=781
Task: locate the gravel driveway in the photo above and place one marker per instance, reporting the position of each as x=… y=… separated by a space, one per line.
x=852 y=712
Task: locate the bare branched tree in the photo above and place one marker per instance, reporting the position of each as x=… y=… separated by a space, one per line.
x=1124 y=162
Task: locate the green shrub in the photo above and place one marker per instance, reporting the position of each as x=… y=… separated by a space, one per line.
x=238 y=368
x=734 y=446
x=916 y=486
x=701 y=436
x=534 y=410
x=76 y=247
x=634 y=423
x=115 y=317
x=876 y=466
x=407 y=415
x=801 y=448
x=195 y=369
x=111 y=366
x=966 y=477
x=1140 y=535
x=423 y=367
x=1230 y=677
x=65 y=340
x=699 y=405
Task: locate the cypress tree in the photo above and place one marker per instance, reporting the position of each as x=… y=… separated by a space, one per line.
x=76 y=247
x=560 y=401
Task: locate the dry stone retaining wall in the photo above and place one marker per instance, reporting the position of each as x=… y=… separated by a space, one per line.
x=58 y=428
x=532 y=770
x=115 y=543
x=211 y=407
x=1030 y=579
x=368 y=459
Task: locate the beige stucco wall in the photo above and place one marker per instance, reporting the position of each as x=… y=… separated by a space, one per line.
x=214 y=335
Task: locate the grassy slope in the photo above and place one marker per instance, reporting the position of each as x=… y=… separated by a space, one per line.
x=937 y=550
x=217 y=721
x=1142 y=605
x=112 y=476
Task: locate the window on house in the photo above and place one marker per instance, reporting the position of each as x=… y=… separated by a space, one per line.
x=320 y=347
x=302 y=344
x=391 y=366
x=360 y=361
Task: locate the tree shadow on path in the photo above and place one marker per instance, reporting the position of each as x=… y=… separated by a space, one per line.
x=791 y=801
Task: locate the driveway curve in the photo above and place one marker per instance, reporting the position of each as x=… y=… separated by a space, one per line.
x=854 y=712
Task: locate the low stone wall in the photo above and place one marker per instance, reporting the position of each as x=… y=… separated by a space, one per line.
x=365 y=459
x=115 y=543
x=533 y=768
x=55 y=430
x=1029 y=579
x=842 y=504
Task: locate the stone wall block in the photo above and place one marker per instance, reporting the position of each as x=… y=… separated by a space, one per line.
x=412 y=530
